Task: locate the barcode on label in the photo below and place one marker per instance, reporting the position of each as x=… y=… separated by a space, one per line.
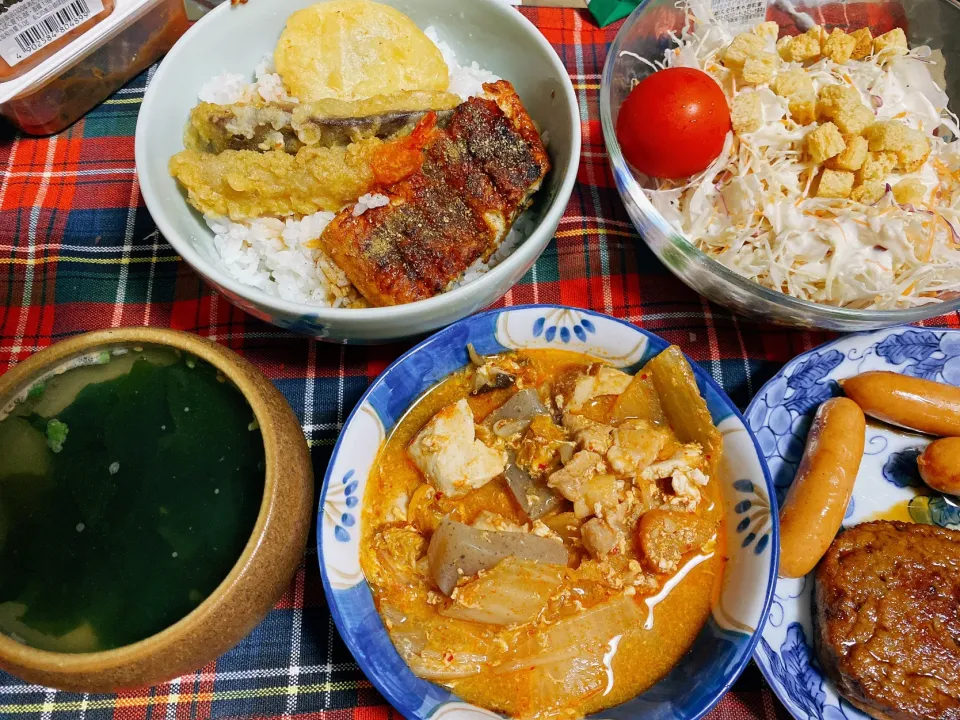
x=53 y=26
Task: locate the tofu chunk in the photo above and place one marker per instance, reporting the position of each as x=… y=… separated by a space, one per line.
x=824 y=143
x=636 y=444
x=571 y=479
x=864 y=46
x=835 y=184
x=587 y=386
x=589 y=434
x=599 y=538
x=891 y=44
x=839 y=46
x=853 y=157
x=448 y=454
x=601 y=497
x=684 y=469
x=746 y=113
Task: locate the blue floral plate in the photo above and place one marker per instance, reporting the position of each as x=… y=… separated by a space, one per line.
x=725 y=644
x=888 y=485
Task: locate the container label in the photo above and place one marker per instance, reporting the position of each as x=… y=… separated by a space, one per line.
x=27 y=26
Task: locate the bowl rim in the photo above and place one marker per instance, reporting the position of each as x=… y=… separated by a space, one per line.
x=233 y=367
x=522 y=256
x=627 y=185
x=349 y=639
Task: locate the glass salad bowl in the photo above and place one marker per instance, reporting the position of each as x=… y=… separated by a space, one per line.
x=643 y=39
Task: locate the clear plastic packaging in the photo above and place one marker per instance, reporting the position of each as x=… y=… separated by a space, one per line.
x=60 y=81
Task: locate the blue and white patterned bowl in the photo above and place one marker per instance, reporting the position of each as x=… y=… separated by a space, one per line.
x=726 y=642
x=888 y=485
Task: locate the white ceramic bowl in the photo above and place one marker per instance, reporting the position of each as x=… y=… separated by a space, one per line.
x=235 y=38
x=723 y=647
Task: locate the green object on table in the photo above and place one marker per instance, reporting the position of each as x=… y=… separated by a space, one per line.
x=609 y=11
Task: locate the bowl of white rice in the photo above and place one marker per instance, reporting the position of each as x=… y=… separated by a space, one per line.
x=268 y=266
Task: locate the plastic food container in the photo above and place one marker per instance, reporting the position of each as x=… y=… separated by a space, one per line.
x=60 y=58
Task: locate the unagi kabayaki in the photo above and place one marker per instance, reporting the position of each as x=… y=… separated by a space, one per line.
x=454 y=192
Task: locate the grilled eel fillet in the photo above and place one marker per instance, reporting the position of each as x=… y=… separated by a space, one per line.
x=325 y=123
x=449 y=208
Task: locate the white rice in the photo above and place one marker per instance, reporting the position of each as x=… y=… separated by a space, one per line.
x=465 y=80
x=272 y=254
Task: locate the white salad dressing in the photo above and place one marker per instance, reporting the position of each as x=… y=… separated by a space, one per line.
x=752 y=209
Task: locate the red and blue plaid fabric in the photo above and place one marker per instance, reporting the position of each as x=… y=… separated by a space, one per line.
x=78 y=252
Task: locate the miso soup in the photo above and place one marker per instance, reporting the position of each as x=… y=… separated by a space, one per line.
x=129 y=485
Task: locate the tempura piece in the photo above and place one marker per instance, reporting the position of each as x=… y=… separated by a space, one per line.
x=351 y=49
x=454 y=194
x=326 y=123
x=243 y=184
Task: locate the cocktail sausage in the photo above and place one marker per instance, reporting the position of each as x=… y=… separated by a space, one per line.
x=940 y=465
x=909 y=402
x=815 y=505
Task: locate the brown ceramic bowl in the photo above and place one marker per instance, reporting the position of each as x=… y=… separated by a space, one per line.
x=262 y=572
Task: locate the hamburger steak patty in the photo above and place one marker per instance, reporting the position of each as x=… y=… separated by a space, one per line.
x=887 y=619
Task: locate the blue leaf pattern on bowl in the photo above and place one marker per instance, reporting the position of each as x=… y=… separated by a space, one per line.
x=901 y=468
x=755 y=524
x=796 y=670
x=563 y=325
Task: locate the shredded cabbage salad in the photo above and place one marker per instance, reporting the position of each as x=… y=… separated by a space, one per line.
x=753 y=209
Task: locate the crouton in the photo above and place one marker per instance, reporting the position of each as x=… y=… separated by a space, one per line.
x=839 y=46
x=768 y=30
x=852 y=157
x=868 y=193
x=876 y=166
x=760 y=68
x=911 y=146
x=835 y=184
x=909 y=191
x=797 y=87
x=824 y=143
x=835 y=99
x=806 y=47
x=914 y=154
x=864 y=44
x=746 y=113
x=887 y=135
x=793 y=84
x=783 y=48
x=743 y=46
x=890 y=44
x=855 y=121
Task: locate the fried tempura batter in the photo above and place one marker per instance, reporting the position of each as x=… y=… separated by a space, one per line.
x=289 y=126
x=243 y=184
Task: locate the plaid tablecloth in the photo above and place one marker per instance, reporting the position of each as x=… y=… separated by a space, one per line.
x=78 y=251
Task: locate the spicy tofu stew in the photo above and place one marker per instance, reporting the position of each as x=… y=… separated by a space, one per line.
x=542 y=531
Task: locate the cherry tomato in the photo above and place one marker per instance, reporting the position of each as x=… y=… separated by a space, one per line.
x=673 y=123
